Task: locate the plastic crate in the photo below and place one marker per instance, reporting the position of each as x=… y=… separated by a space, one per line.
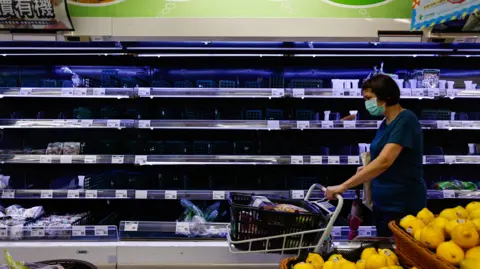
x=206 y=84
x=155 y=147
x=253 y=115
x=302 y=114
x=303 y=183
x=253 y=84
x=243 y=148
x=108 y=113
x=276 y=82
x=128 y=82
x=67 y=84
x=82 y=113
x=48 y=83
x=306 y=83
x=182 y=84
x=109 y=78
x=30 y=83
x=227 y=84
x=436 y=114
x=212 y=147
x=461 y=116
x=177 y=147
x=160 y=84
x=274 y=114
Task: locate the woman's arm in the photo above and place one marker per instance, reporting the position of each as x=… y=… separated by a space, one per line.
x=387 y=156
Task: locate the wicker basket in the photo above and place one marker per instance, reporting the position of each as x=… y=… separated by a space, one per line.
x=409 y=250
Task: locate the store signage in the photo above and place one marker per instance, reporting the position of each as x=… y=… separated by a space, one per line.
x=32 y=15
x=428 y=13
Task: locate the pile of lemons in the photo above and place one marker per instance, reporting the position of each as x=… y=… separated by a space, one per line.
x=371 y=259
x=454 y=235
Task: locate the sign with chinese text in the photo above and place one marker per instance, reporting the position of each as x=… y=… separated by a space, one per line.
x=45 y=15
x=427 y=13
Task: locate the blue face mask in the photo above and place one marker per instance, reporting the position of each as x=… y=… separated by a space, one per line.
x=373 y=108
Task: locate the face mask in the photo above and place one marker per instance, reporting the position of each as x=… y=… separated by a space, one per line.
x=373 y=108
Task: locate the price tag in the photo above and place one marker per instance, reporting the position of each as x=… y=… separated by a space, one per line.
x=26 y=91
x=139 y=159
x=144 y=124
x=38 y=232
x=354 y=92
x=121 y=194
x=113 y=123
x=327 y=124
x=46 y=159
x=66 y=159
x=298 y=194
x=333 y=159
x=131 y=226
x=296 y=159
x=303 y=125
x=90 y=159
x=338 y=92
x=99 y=91
x=67 y=92
x=87 y=123
x=170 y=195
x=78 y=231
x=3 y=231
x=80 y=92
x=365 y=232
x=182 y=228
x=379 y=123
x=101 y=230
x=316 y=159
x=406 y=92
x=349 y=124
x=298 y=92
x=450 y=159
x=218 y=195
x=417 y=92
x=273 y=124
x=118 y=159
x=46 y=194
x=452 y=92
x=278 y=92
x=8 y=194
x=353 y=160
x=443 y=124
x=433 y=92
x=144 y=92
x=73 y=194
x=448 y=194
x=141 y=194
x=337 y=232
x=91 y=194
x=467 y=124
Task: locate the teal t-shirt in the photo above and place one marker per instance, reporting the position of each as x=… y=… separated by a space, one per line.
x=401 y=187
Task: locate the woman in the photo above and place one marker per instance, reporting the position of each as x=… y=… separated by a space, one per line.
x=396 y=172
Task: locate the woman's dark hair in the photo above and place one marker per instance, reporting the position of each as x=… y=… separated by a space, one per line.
x=384 y=87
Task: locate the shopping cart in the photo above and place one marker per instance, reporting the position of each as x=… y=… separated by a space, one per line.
x=282 y=243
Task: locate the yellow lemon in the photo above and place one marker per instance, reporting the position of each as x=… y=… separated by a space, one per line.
x=473 y=254
x=461 y=212
x=465 y=236
x=431 y=237
x=316 y=260
x=425 y=215
x=449 y=214
x=337 y=264
x=361 y=264
x=415 y=226
x=395 y=267
x=389 y=254
x=302 y=265
x=475 y=214
x=405 y=222
x=450 y=252
x=470 y=264
x=335 y=257
x=376 y=261
x=348 y=265
x=454 y=223
x=367 y=253
x=328 y=265
x=417 y=235
x=476 y=222
x=440 y=223
x=472 y=206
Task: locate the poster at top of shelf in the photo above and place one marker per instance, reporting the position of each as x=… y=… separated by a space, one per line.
x=241 y=8
x=28 y=15
x=428 y=13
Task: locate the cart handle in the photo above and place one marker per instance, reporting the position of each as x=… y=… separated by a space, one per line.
x=333 y=218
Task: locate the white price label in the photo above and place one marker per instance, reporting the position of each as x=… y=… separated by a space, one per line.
x=433 y=92
x=118 y=159
x=99 y=91
x=144 y=124
x=80 y=91
x=38 y=232
x=46 y=159
x=379 y=123
x=333 y=159
x=139 y=159
x=78 y=231
x=26 y=91
x=273 y=124
x=3 y=231
x=46 y=194
x=101 y=230
x=182 y=228
x=353 y=160
x=131 y=226
x=406 y=92
x=141 y=194
x=121 y=194
x=450 y=159
x=90 y=159
x=349 y=124
x=354 y=92
x=278 y=92
x=417 y=92
x=365 y=232
x=443 y=124
x=170 y=195
x=91 y=194
x=87 y=123
x=327 y=124
x=8 y=194
x=338 y=92
x=73 y=194
x=316 y=159
x=448 y=194
x=298 y=92
x=452 y=92
x=144 y=92
x=296 y=159
x=298 y=194
x=113 y=123
x=303 y=125
x=467 y=124
x=66 y=159
x=67 y=92
x=218 y=195
x=337 y=232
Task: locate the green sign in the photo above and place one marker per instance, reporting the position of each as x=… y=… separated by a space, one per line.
x=242 y=8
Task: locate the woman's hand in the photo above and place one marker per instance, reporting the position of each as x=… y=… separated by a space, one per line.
x=359 y=168
x=332 y=191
